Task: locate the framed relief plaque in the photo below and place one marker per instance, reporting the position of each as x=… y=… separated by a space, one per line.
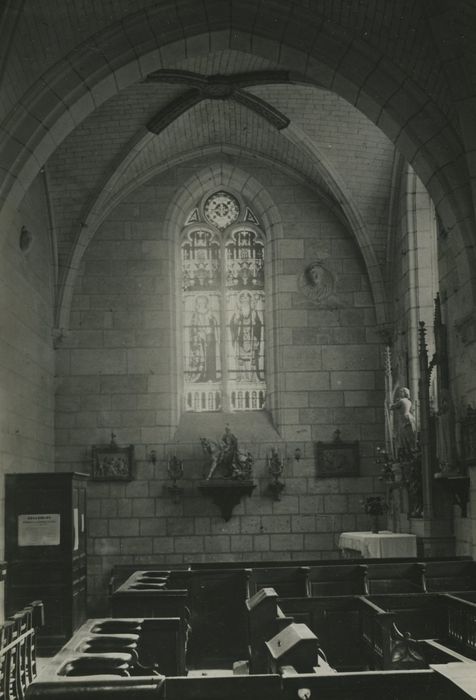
x=112 y=463
x=337 y=458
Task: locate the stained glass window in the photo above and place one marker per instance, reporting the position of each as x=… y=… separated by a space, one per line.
x=223 y=306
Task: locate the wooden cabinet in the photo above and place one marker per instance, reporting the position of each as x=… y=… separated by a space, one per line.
x=45 y=548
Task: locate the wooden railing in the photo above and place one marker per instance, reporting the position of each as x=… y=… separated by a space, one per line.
x=18 y=652
x=462 y=624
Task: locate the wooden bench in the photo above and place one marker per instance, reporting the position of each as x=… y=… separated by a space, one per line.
x=443 y=617
x=461 y=623
x=395 y=577
x=217 y=600
x=450 y=575
x=121 y=572
x=18 y=650
x=397 y=685
x=286 y=580
x=115 y=655
x=143 y=595
x=400 y=685
x=336 y=621
x=265 y=620
x=358 y=631
x=347 y=579
x=421 y=615
x=386 y=647
x=260 y=687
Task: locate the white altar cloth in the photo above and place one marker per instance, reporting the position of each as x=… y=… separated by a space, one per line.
x=379 y=545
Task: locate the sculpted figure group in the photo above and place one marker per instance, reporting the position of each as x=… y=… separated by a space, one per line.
x=227 y=460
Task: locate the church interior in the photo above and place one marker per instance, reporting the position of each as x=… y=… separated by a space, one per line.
x=237 y=349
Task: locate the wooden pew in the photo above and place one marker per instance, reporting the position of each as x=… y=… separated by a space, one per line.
x=265 y=620
x=461 y=617
x=212 y=602
x=448 y=618
x=397 y=685
x=219 y=618
x=421 y=615
x=443 y=617
x=121 y=572
x=18 y=651
x=261 y=687
x=143 y=595
x=386 y=647
x=342 y=579
x=358 y=632
x=395 y=577
x=94 y=689
x=286 y=580
x=115 y=657
x=161 y=643
x=450 y=575
x=401 y=685
x=336 y=621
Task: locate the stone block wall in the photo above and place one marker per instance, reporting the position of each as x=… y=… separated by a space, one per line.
x=116 y=374
x=26 y=345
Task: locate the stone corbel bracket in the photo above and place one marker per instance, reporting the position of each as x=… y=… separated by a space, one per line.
x=226 y=493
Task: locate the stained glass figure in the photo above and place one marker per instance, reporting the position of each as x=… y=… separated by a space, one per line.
x=246 y=329
x=202 y=361
x=204 y=334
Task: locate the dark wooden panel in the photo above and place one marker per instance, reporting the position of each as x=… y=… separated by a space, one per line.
x=338 y=580
x=395 y=577
x=286 y=580
x=450 y=575
x=415 y=685
x=54 y=572
x=336 y=622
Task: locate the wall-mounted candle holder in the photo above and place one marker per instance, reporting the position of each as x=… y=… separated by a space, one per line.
x=275 y=469
x=175 y=472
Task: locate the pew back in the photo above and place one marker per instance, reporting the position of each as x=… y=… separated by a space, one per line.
x=421 y=615
x=336 y=622
x=286 y=580
x=450 y=575
x=347 y=579
x=395 y=577
x=397 y=685
x=94 y=689
x=262 y=687
x=219 y=618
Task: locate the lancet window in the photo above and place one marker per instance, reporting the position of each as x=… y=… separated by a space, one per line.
x=223 y=307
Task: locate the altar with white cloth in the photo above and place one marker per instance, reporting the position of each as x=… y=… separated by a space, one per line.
x=377 y=545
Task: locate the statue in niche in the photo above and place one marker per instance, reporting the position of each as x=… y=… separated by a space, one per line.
x=226 y=457
x=405 y=438
x=317 y=283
